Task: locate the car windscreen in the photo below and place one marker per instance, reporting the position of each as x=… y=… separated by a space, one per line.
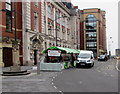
x=84 y=55
x=102 y=55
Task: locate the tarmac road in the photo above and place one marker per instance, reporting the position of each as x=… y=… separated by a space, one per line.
x=103 y=77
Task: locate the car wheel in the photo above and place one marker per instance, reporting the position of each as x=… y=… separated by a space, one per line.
x=93 y=65
x=77 y=65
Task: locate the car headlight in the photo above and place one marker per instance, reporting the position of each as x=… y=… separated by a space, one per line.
x=88 y=61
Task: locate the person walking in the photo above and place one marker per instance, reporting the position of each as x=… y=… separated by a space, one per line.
x=72 y=59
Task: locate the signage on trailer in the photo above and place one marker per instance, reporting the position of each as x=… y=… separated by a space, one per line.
x=54 y=52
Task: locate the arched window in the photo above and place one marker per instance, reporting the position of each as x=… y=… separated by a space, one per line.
x=90 y=22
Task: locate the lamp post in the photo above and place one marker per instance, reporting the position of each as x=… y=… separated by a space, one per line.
x=110 y=44
x=56 y=28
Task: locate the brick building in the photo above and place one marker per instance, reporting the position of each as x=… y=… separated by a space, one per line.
x=7 y=28
x=93 y=31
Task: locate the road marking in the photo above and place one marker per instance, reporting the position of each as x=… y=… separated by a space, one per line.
x=117 y=66
x=60 y=91
x=52 y=80
x=55 y=87
x=52 y=83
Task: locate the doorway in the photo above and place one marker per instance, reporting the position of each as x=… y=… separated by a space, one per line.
x=35 y=57
x=7 y=57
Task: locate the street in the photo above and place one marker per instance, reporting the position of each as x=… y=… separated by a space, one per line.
x=103 y=77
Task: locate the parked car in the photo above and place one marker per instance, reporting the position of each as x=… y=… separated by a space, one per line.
x=103 y=58
x=85 y=58
x=117 y=57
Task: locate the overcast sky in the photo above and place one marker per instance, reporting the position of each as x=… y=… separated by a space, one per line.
x=111 y=8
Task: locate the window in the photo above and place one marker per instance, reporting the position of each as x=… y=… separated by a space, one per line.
x=90 y=22
x=63 y=20
x=8 y=5
x=8 y=16
x=35 y=21
x=91 y=44
x=36 y=3
x=50 y=14
x=8 y=23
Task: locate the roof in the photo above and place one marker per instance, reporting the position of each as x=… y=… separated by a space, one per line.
x=63 y=50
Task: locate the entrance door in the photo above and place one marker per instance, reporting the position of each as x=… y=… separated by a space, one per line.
x=35 y=57
x=7 y=56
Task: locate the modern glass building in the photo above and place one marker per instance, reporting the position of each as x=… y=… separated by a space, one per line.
x=91 y=36
x=93 y=31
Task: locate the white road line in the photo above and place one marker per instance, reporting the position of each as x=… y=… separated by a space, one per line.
x=60 y=91
x=55 y=87
x=117 y=66
x=52 y=83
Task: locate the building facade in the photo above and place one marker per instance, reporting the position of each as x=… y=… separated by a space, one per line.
x=58 y=17
x=93 y=31
x=32 y=39
x=39 y=25
x=10 y=27
x=47 y=24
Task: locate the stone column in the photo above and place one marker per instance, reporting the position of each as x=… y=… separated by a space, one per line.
x=1 y=56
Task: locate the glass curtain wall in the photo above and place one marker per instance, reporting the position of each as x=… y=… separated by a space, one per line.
x=91 y=35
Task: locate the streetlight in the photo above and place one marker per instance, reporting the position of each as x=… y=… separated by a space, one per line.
x=110 y=44
x=56 y=27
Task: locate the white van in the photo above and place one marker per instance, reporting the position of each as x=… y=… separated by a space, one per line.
x=85 y=58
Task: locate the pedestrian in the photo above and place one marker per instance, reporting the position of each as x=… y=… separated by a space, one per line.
x=72 y=59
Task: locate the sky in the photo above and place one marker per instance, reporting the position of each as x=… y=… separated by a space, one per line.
x=111 y=8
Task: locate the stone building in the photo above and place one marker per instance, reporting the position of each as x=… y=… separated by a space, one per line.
x=50 y=25
x=57 y=19
x=32 y=39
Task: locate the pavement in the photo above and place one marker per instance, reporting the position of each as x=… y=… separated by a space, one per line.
x=32 y=82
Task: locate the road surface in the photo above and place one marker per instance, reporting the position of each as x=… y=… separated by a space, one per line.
x=103 y=77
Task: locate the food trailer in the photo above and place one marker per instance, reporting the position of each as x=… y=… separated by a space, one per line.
x=57 y=58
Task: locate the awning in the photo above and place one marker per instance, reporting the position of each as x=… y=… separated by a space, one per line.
x=63 y=50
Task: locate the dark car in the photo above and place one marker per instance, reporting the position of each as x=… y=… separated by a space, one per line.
x=103 y=58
